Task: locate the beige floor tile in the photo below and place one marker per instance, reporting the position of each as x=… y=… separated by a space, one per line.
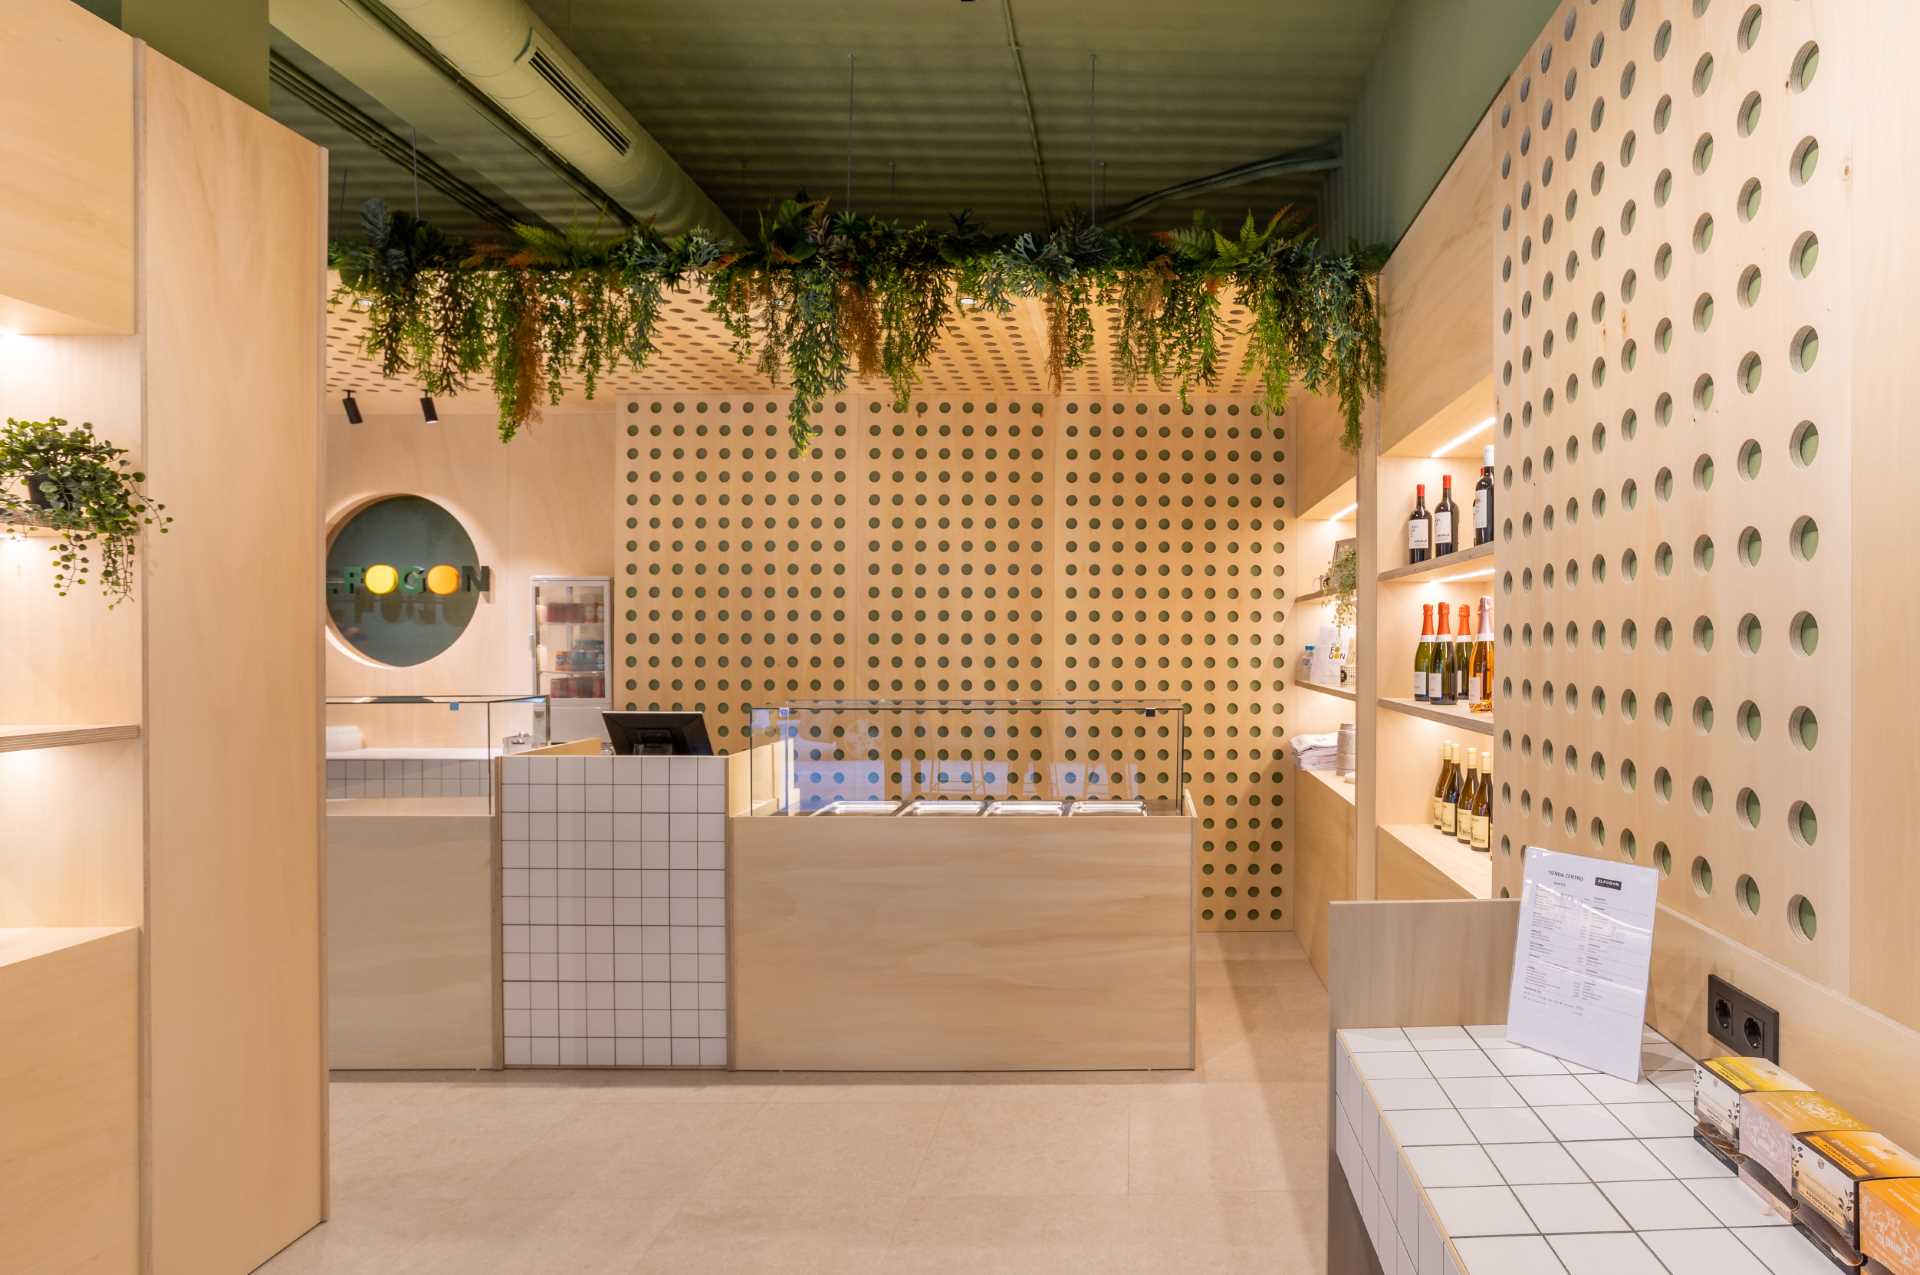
x=1055 y=1143
x=1229 y=1233
x=646 y=1151
x=592 y=1172
x=1228 y=1137
x=755 y=1236
x=1012 y=1235
x=861 y=1149
x=366 y=1236
x=466 y=1141
x=581 y=1236
x=846 y=1086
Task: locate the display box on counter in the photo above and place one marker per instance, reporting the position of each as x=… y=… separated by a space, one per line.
x=1829 y=1170
x=1720 y=1083
x=1890 y=1226
x=1770 y=1122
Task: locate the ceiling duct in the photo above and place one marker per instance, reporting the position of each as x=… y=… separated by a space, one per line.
x=501 y=51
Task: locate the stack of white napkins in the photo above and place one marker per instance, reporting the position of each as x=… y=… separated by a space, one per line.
x=1315 y=752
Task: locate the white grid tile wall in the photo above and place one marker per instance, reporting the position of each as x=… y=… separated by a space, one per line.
x=407 y=777
x=614 y=911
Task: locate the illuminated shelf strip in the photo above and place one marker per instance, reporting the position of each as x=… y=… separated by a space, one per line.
x=1465 y=719
x=1435 y=568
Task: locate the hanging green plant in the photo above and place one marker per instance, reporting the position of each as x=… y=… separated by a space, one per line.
x=814 y=296
x=87 y=492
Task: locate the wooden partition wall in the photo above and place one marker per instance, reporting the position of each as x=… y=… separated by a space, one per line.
x=979 y=547
x=181 y=812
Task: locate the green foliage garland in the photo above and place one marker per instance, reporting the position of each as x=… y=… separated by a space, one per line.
x=813 y=296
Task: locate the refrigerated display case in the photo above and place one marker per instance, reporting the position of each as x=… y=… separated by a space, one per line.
x=570 y=639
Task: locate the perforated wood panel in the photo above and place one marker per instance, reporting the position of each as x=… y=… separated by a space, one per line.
x=983 y=353
x=1672 y=369
x=980 y=547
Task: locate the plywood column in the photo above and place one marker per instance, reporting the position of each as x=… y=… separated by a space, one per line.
x=232 y=241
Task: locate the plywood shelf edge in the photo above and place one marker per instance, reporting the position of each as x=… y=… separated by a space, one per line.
x=1471 y=870
x=14 y=739
x=1465 y=719
x=1337 y=692
x=1340 y=786
x=1434 y=568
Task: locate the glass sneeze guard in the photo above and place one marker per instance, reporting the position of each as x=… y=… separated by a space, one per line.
x=969 y=758
x=441 y=746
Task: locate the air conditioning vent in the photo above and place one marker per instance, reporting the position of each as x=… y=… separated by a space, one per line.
x=552 y=73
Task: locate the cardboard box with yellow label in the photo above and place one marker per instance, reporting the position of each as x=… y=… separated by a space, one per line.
x=1829 y=1168
x=1769 y=1123
x=1890 y=1225
x=1718 y=1084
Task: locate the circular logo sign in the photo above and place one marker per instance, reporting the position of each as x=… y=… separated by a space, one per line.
x=403 y=580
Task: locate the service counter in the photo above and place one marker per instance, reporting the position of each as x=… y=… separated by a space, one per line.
x=963 y=943
x=751 y=911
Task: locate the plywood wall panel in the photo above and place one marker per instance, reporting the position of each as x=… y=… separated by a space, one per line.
x=1434 y=295
x=1722 y=199
x=540 y=505
x=1314 y=424
x=70 y=1145
x=232 y=600
x=979 y=547
x=74 y=658
x=1885 y=155
x=66 y=171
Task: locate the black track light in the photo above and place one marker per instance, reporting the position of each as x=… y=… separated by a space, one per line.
x=353 y=409
x=428 y=412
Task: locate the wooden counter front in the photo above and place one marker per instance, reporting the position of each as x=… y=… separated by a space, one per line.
x=971 y=944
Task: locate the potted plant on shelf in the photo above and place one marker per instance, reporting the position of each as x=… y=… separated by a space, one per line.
x=84 y=490
x=1341 y=582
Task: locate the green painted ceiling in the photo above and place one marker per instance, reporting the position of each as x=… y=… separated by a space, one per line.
x=750 y=96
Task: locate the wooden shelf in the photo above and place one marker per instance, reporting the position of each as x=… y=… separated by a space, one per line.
x=1332 y=780
x=1435 y=568
x=1335 y=691
x=1471 y=870
x=1318 y=595
x=1465 y=719
x=14 y=739
x=27 y=524
x=26 y=943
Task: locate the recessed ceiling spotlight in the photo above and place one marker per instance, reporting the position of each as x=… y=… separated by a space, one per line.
x=353 y=409
x=428 y=412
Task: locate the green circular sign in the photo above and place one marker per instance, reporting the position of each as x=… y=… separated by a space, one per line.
x=403 y=580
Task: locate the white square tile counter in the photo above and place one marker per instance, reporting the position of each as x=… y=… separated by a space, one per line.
x=1468 y=1155
x=613 y=906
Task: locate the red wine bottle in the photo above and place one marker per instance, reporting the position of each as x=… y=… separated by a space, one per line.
x=1446 y=520
x=1483 y=500
x=1420 y=527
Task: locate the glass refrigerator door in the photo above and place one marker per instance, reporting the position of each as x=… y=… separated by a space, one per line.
x=570 y=638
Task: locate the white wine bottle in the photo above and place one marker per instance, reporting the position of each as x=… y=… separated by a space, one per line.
x=1482 y=820
x=1450 y=801
x=1463 y=824
x=1440 y=787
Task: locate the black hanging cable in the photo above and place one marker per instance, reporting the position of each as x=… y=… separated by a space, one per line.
x=1093 y=200
x=849 y=132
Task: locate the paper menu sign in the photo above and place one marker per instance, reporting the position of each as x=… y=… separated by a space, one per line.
x=1580 y=964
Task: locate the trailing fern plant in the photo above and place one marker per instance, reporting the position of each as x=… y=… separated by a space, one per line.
x=813 y=297
x=85 y=490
